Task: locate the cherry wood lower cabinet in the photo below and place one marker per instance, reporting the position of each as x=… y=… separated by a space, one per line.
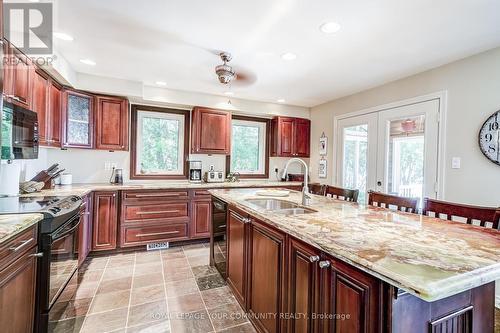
x=266 y=274
x=105 y=220
x=85 y=229
x=18 y=283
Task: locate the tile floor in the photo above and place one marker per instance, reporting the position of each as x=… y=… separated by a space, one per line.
x=172 y=290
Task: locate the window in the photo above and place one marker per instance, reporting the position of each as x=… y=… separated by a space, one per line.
x=249 y=147
x=159 y=143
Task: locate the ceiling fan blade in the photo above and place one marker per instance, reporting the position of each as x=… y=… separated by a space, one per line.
x=244 y=77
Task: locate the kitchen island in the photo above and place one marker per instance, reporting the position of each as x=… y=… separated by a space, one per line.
x=349 y=268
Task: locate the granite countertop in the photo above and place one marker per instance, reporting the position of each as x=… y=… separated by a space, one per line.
x=13 y=224
x=83 y=189
x=427 y=257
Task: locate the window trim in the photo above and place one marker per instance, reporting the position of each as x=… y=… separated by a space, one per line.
x=266 y=151
x=134 y=173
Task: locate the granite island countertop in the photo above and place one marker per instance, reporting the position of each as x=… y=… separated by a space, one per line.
x=83 y=189
x=427 y=257
x=13 y=224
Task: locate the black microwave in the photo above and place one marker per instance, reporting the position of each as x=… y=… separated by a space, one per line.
x=19 y=133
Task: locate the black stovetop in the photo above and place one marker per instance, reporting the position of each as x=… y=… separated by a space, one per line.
x=19 y=205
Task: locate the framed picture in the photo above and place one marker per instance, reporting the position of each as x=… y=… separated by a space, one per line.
x=322 y=169
x=323 y=145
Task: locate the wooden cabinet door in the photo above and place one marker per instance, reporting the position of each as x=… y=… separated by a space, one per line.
x=17 y=294
x=201 y=216
x=266 y=287
x=104 y=221
x=84 y=230
x=40 y=104
x=8 y=84
x=211 y=131
x=22 y=73
x=303 y=286
x=236 y=255
x=351 y=291
x=78 y=115
x=111 y=123
x=286 y=132
x=302 y=137
x=54 y=111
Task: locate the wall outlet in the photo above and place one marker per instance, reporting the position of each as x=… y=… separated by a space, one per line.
x=455 y=163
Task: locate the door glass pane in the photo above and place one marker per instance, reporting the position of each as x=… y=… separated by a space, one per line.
x=406 y=157
x=78 y=120
x=355 y=159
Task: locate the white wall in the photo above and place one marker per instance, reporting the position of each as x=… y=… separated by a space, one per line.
x=473 y=90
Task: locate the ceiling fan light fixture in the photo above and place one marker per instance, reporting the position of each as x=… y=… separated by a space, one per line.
x=224 y=72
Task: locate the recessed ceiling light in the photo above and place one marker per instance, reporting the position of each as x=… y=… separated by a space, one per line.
x=161 y=83
x=330 y=27
x=63 y=36
x=288 y=56
x=87 y=62
x=281 y=100
x=229 y=93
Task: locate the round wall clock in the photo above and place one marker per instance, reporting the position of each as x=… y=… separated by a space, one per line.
x=489 y=138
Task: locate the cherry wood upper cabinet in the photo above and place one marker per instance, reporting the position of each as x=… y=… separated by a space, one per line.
x=54 y=112
x=40 y=104
x=18 y=75
x=111 y=123
x=78 y=119
x=210 y=131
x=105 y=221
x=290 y=137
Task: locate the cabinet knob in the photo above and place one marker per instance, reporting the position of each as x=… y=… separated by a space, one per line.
x=313 y=258
x=324 y=264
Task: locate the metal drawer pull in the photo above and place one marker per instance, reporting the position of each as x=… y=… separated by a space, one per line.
x=313 y=258
x=37 y=255
x=158 y=195
x=23 y=244
x=158 y=233
x=241 y=218
x=324 y=264
x=158 y=212
x=222 y=226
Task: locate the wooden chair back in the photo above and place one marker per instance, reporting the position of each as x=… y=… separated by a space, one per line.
x=403 y=204
x=318 y=189
x=342 y=193
x=485 y=216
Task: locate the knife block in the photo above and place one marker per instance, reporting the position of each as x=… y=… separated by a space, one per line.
x=43 y=176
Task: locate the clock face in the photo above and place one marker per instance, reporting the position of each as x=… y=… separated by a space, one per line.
x=489 y=138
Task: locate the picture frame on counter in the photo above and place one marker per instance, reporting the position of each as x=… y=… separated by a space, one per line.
x=322 y=169
x=323 y=144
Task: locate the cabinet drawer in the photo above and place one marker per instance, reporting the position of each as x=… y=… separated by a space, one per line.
x=133 y=236
x=13 y=249
x=199 y=194
x=150 y=196
x=156 y=211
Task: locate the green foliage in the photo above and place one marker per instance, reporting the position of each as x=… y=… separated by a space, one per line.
x=160 y=144
x=245 y=148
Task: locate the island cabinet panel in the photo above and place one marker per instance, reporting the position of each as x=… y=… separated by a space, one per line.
x=237 y=246
x=111 y=123
x=18 y=283
x=210 y=131
x=303 y=286
x=353 y=293
x=266 y=274
x=105 y=221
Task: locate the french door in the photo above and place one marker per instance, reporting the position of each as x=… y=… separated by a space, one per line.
x=394 y=151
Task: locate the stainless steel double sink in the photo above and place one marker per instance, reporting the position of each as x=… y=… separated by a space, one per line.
x=281 y=207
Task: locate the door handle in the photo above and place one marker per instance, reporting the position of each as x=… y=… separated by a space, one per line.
x=23 y=244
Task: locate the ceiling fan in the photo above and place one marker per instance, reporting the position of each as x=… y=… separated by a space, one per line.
x=228 y=75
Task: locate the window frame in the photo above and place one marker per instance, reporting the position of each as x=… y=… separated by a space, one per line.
x=266 y=148
x=134 y=173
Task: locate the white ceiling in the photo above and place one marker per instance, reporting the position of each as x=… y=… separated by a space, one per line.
x=170 y=40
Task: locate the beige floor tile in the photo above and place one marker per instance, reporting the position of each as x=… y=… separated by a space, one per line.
x=226 y=316
x=85 y=277
x=155 y=327
x=110 y=301
x=194 y=322
x=118 y=272
x=195 y=252
x=105 y=321
x=245 y=328
x=217 y=297
x=148 y=312
x=173 y=264
x=76 y=291
x=121 y=261
x=147 y=280
x=178 y=274
x=185 y=303
x=148 y=268
x=93 y=264
x=205 y=270
x=181 y=287
x=72 y=325
x=69 y=309
x=199 y=260
x=173 y=253
x=108 y=286
x=193 y=246
x=147 y=294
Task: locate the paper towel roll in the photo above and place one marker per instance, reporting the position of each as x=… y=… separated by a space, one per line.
x=9 y=179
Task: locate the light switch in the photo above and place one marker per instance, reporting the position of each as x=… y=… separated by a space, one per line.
x=455 y=162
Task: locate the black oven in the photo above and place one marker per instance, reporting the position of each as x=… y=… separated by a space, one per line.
x=56 y=267
x=19 y=131
x=218 y=246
